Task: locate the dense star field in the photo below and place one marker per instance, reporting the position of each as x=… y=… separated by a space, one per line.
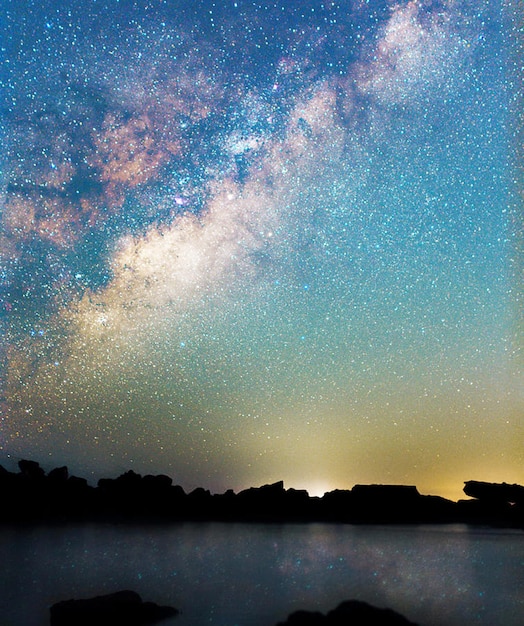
x=250 y=241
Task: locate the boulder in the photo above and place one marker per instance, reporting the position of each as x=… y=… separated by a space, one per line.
x=31 y=470
x=357 y=613
x=305 y=618
x=115 y=609
x=348 y=613
x=494 y=492
x=58 y=475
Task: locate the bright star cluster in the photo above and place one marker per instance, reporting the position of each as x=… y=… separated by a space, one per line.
x=250 y=241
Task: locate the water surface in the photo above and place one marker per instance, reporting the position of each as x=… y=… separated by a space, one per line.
x=255 y=574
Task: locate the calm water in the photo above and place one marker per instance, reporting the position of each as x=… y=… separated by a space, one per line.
x=255 y=575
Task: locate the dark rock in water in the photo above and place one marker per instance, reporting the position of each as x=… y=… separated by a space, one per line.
x=356 y=613
x=305 y=618
x=123 y=608
x=349 y=613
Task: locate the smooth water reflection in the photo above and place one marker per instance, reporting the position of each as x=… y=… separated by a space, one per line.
x=255 y=575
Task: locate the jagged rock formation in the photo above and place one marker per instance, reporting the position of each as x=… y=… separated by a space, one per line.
x=349 y=613
x=33 y=496
x=115 y=609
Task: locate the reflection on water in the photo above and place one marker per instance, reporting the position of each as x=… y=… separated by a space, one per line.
x=255 y=575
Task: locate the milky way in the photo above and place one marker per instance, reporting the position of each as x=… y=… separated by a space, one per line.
x=242 y=241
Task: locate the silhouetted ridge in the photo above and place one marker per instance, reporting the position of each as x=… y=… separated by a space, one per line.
x=123 y=607
x=348 y=613
x=33 y=496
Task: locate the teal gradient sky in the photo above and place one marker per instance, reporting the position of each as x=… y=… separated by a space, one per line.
x=245 y=244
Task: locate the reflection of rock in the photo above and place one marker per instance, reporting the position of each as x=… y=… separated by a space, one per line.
x=123 y=608
x=349 y=613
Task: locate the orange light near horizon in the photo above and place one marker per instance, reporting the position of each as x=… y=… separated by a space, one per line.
x=317 y=488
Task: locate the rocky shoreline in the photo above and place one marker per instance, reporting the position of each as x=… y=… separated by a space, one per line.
x=32 y=496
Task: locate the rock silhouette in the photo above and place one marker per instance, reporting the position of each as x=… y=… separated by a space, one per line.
x=32 y=496
x=348 y=613
x=498 y=504
x=115 y=609
x=495 y=492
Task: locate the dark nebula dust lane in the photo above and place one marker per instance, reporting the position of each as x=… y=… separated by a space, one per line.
x=243 y=242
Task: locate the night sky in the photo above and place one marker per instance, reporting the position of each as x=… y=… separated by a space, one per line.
x=250 y=241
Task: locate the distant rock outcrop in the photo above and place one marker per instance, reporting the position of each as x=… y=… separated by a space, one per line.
x=386 y=504
x=495 y=492
x=494 y=503
x=31 y=470
x=273 y=503
x=123 y=608
x=349 y=613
